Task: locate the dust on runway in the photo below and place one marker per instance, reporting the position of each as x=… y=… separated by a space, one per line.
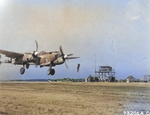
x=73 y=98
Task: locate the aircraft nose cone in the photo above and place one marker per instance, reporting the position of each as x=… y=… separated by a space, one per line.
x=36 y=53
x=65 y=56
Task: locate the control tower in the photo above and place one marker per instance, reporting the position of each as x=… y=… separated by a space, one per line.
x=105 y=73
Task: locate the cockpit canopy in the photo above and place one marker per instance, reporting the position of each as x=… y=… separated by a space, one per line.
x=42 y=53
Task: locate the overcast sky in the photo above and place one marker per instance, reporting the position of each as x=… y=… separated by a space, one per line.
x=116 y=31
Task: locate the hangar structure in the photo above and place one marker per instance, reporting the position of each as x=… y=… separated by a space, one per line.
x=105 y=73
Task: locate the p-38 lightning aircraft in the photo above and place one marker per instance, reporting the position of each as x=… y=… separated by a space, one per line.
x=48 y=59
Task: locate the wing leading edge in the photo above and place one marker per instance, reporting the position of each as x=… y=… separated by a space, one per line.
x=11 y=54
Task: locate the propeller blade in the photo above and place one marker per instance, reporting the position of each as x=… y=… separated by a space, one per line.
x=62 y=54
x=66 y=65
x=69 y=54
x=36 y=46
x=37 y=61
x=72 y=57
x=34 y=54
x=61 y=50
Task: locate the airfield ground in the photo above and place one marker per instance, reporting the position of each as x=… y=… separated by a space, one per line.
x=73 y=98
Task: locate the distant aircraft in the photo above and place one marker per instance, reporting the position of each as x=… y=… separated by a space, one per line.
x=48 y=59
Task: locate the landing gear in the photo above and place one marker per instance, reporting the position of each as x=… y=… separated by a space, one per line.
x=50 y=71
x=22 y=70
x=27 y=66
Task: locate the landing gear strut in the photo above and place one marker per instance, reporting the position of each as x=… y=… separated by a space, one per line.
x=50 y=71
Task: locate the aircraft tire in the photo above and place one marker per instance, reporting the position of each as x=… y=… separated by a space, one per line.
x=27 y=66
x=52 y=72
x=22 y=70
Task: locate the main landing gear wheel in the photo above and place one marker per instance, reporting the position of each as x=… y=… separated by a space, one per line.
x=22 y=70
x=50 y=72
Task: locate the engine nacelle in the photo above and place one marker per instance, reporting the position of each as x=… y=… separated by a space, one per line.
x=27 y=57
x=58 y=61
x=9 y=60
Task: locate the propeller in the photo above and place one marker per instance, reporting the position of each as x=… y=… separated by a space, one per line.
x=62 y=54
x=72 y=57
x=66 y=56
x=66 y=65
x=61 y=51
x=37 y=61
x=36 y=45
x=69 y=54
x=35 y=52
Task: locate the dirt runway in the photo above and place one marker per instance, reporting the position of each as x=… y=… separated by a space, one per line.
x=73 y=98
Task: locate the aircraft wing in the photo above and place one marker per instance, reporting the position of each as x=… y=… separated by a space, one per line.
x=11 y=54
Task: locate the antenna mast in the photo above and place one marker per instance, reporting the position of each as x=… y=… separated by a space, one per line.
x=95 y=64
